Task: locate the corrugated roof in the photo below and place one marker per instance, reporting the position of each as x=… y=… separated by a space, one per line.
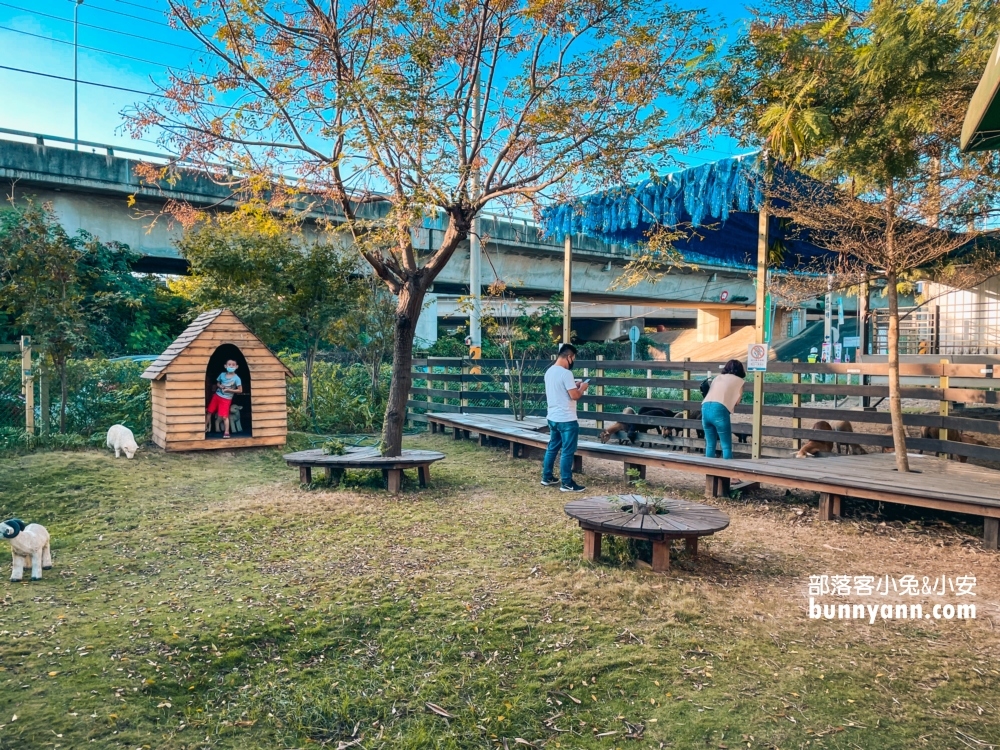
x=193 y=331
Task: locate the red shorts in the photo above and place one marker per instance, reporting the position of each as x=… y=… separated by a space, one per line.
x=219 y=405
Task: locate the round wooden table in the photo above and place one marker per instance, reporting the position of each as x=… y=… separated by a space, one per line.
x=365 y=458
x=613 y=514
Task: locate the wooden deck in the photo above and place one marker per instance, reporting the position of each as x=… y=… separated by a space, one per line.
x=932 y=483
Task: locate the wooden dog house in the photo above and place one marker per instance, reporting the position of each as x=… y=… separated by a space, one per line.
x=183 y=379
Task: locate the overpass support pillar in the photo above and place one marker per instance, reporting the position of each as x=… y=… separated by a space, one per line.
x=713 y=325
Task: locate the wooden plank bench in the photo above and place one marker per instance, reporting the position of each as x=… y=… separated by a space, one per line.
x=365 y=458
x=680 y=520
x=933 y=483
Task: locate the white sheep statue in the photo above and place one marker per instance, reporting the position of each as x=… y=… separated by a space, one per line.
x=31 y=540
x=120 y=438
x=234 y=419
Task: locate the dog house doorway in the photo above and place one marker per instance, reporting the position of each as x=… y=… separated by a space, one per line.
x=216 y=366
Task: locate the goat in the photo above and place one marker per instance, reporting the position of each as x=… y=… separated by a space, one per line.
x=633 y=430
x=813 y=447
x=933 y=433
x=31 y=540
x=852 y=448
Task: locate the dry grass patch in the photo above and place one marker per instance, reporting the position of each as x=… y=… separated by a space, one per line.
x=209 y=601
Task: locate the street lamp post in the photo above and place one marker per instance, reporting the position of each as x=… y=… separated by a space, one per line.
x=76 y=63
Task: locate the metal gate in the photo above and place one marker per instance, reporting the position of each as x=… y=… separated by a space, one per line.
x=918 y=331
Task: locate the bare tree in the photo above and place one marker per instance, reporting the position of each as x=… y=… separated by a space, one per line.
x=397 y=113
x=875 y=239
x=869 y=98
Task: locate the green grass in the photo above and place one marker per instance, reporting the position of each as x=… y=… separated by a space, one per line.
x=207 y=601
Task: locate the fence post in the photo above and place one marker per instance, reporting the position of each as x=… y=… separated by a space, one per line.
x=686 y=396
x=45 y=403
x=944 y=406
x=586 y=374
x=506 y=387
x=444 y=385
x=463 y=401
x=796 y=403
x=28 y=385
x=812 y=396
x=600 y=392
x=649 y=388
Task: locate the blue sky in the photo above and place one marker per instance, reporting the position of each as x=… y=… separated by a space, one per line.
x=37 y=35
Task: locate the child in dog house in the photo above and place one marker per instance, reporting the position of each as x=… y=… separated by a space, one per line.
x=228 y=384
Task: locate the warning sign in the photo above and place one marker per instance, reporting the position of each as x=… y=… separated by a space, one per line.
x=757 y=358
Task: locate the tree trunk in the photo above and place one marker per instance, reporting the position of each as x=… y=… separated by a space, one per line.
x=895 y=402
x=63 y=392
x=408 y=306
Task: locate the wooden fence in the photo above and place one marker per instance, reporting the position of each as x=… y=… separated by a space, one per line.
x=958 y=398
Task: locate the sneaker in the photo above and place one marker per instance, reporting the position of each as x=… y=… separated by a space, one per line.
x=549 y=482
x=571 y=487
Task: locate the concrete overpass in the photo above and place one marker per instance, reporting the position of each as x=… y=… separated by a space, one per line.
x=90 y=189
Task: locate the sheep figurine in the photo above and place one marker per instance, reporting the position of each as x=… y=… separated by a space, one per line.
x=31 y=540
x=120 y=438
x=234 y=420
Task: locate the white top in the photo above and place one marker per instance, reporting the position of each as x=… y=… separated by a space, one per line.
x=727 y=390
x=558 y=383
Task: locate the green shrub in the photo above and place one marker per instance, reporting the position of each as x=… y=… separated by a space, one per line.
x=15 y=440
x=615 y=350
x=449 y=345
x=342 y=398
x=103 y=393
x=100 y=393
x=334 y=447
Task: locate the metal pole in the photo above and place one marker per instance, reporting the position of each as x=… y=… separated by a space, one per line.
x=761 y=315
x=76 y=77
x=567 y=288
x=828 y=314
x=475 y=249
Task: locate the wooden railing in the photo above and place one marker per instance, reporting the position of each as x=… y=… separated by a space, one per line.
x=796 y=393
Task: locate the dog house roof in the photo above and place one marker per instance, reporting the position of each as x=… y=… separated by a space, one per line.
x=198 y=326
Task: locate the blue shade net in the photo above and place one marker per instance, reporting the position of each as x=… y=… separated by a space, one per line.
x=716 y=202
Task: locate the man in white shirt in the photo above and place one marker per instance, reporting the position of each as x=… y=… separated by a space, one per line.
x=561 y=394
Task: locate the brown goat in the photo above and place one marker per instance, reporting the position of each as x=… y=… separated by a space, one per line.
x=616 y=427
x=813 y=447
x=933 y=433
x=633 y=430
x=852 y=448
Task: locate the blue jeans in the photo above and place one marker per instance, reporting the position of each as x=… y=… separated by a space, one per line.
x=562 y=436
x=718 y=428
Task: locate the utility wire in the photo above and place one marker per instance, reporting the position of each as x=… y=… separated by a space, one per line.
x=83 y=46
x=81 y=81
x=100 y=28
x=126 y=15
x=139 y=5
x=121 y=88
